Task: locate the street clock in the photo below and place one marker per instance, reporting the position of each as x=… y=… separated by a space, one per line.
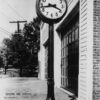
x=51 y=11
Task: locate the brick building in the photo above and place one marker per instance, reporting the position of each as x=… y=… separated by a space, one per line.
x=76 y=50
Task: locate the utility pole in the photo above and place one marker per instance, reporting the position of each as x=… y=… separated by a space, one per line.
x=18 y=24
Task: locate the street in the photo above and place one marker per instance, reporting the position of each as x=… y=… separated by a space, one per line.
x=26 y=89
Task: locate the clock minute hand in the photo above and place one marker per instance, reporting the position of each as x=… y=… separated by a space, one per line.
x=54 y=6
x=51 y=5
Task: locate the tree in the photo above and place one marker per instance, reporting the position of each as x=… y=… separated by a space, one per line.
x=32 y=34
x=32 y=41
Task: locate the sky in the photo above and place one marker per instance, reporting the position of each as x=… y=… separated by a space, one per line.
x=15 y=10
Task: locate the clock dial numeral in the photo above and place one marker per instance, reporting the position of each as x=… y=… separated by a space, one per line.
x=43 y=0
x=47 y=13
x=43 y=9
x=51 y=15
x=56 y=14
x=60 y=1
x=62 y=6
x=60 y=11
x=41 y=5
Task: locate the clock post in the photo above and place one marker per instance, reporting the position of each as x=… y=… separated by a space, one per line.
x=51 y=12
x=50 y=83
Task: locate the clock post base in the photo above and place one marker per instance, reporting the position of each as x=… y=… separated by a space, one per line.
x=50 y=91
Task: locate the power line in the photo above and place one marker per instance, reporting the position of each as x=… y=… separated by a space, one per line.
x=5 y=30
x=14 y=10
x=6 y=15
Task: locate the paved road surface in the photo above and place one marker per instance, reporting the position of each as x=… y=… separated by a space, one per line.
x=26 y=89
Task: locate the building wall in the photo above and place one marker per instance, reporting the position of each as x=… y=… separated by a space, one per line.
x=96 y=51
x=57 y=59
x=89 y=71
x=43 y=39
x=86 y=50
x=44 y=33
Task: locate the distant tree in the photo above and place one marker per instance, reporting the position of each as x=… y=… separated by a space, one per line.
x=1 y=62
x=21 y=50
x=15 y=51
x=5 y=49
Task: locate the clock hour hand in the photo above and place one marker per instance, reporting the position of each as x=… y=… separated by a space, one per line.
x=45 y=6
x=49 y=5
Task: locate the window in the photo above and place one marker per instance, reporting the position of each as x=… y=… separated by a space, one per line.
x=76 y=34
x=66 y=40
x=69 y=51
x=73 y=37
x=69 y=38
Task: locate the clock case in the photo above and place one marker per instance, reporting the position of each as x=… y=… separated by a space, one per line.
x=44 y=18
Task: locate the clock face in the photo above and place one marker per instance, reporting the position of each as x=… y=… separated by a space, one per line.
x=52 y=9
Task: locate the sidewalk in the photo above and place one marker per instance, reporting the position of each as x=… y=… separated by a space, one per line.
x=27 y=89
